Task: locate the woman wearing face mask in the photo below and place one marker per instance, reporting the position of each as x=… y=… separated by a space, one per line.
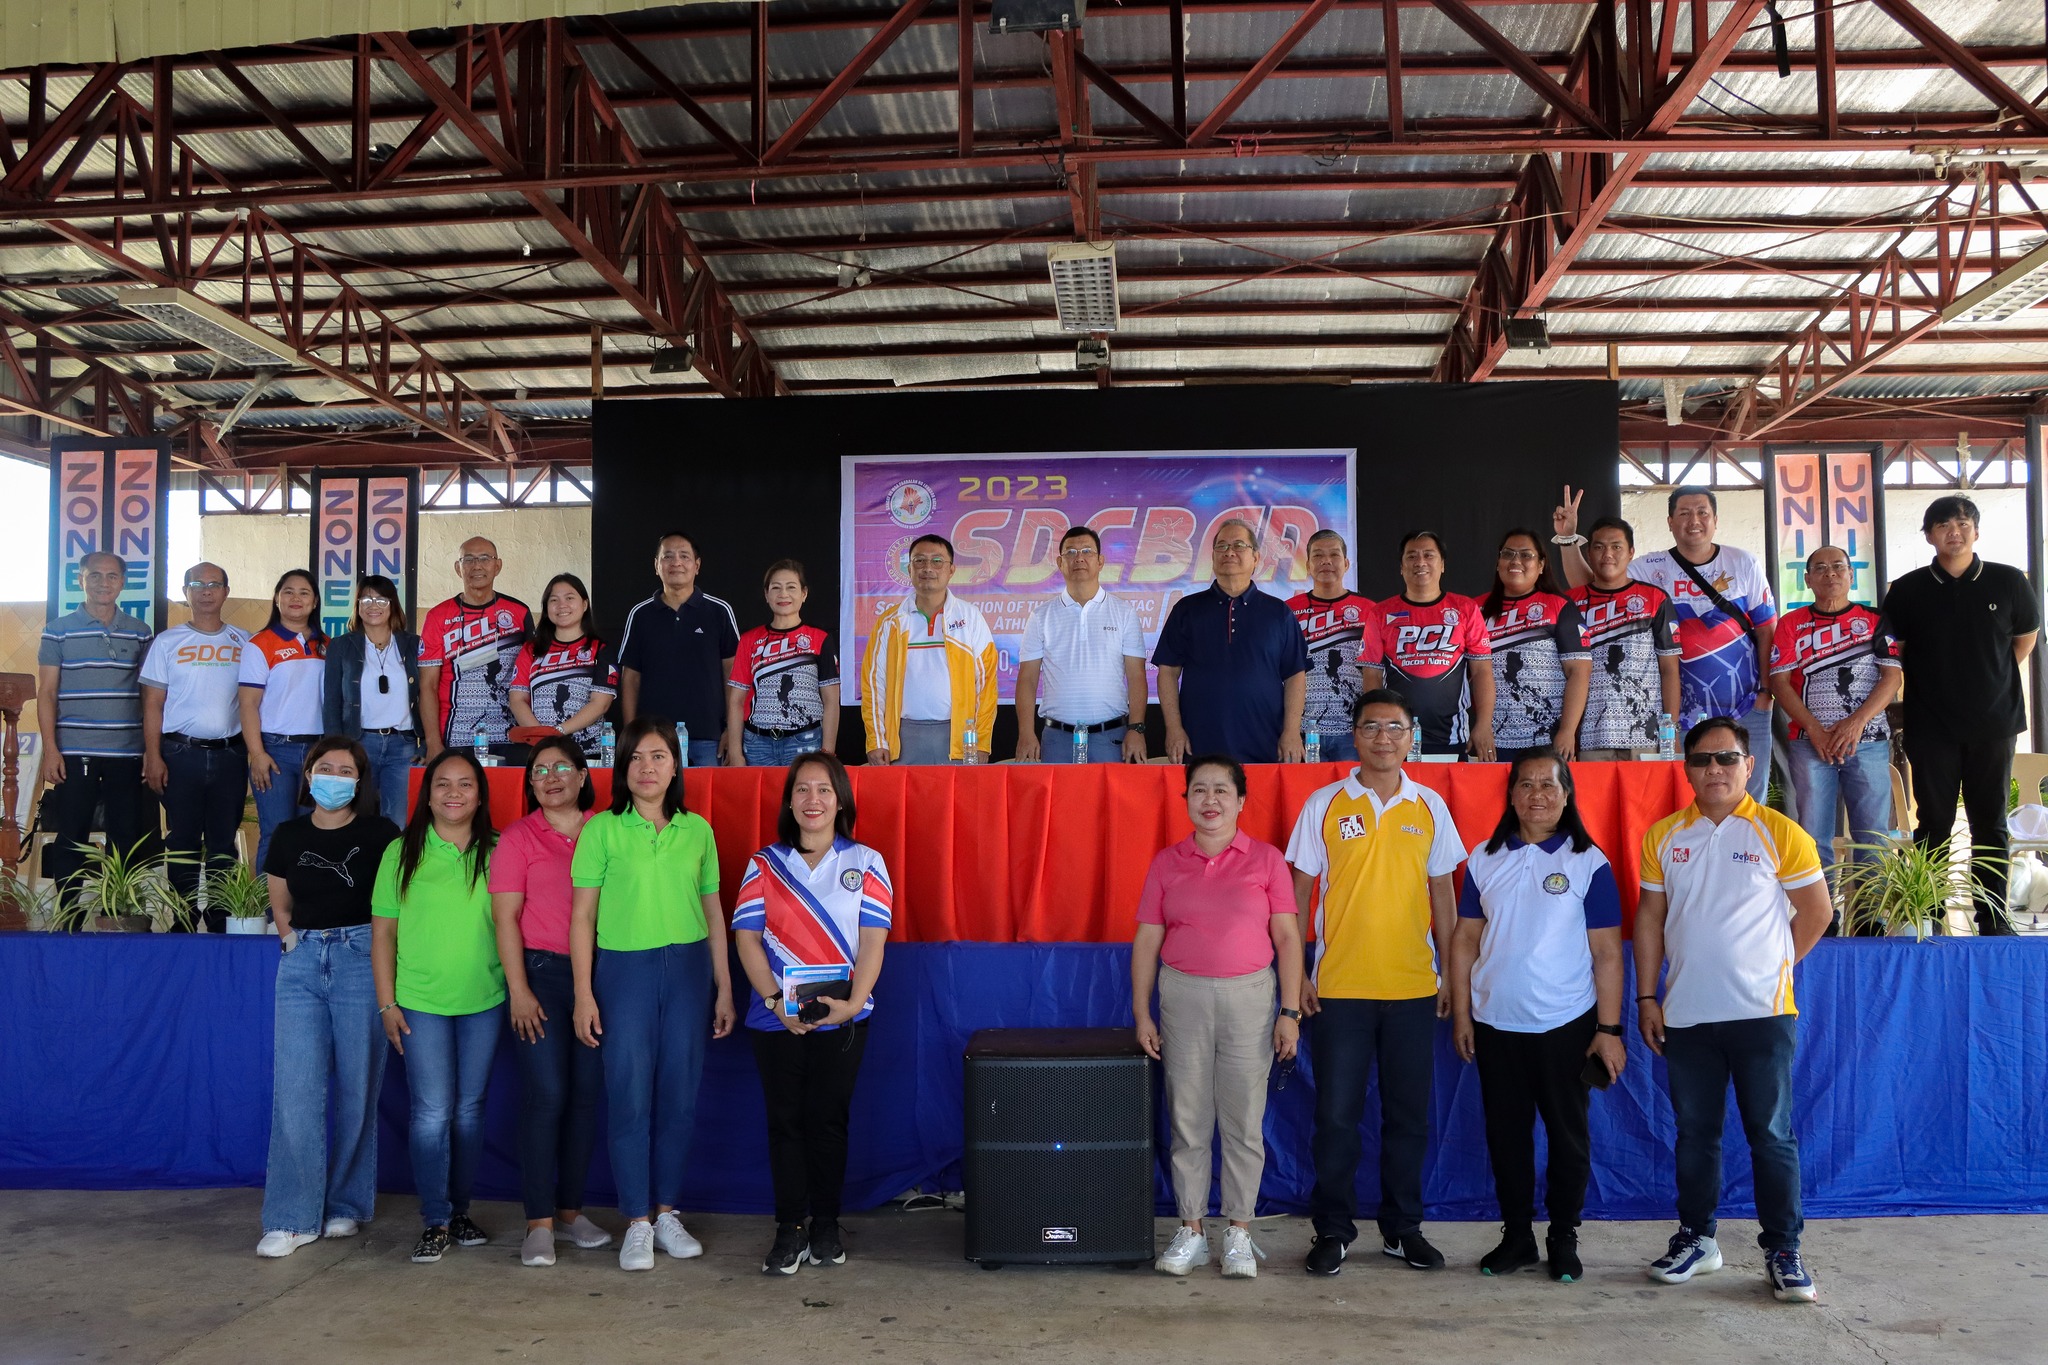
x=320 y=870
x=647 y=944
x=560 y=1079
x=372 y=690
x=1218 y=911
x=1541 y=667
x=284 y=668
x=565 y=677
x=440 y=988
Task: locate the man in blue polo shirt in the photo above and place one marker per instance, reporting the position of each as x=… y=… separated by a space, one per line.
x=676 y=654
x=89 y=709
x=1233 y=667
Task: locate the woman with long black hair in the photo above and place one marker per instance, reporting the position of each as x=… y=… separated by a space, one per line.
x=1541 y=666
x=284 y=672
x=1535 y=991
x=565 y=676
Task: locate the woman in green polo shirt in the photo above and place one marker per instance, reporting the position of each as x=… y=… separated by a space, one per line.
x=647 y=948
x=441 y=988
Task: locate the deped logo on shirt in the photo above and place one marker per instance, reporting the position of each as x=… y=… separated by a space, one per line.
x=1742 y=857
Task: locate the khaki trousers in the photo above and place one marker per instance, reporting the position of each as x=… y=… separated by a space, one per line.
x=1216 y=1037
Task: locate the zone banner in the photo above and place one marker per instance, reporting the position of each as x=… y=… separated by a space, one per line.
x=109 y=493
x=365 y=521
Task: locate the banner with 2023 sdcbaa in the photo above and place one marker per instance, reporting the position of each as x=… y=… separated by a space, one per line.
x=1156 y=512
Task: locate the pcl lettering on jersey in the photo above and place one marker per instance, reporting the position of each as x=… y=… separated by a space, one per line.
x=1421 y=639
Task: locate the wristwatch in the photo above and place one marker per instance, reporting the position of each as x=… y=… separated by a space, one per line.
x=1295 y=1015
x=1136 y=727
x=1611 y=1030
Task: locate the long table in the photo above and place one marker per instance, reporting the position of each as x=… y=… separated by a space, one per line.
x=1056 y=853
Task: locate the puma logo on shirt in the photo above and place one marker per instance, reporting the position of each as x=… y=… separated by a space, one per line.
x=340 y=869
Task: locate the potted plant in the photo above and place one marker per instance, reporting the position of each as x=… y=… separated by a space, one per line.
x=124 y=891
x=36 y=905
x=1905 y=889
x=235 y=889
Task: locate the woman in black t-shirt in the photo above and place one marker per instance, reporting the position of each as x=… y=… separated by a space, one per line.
x=321 y=868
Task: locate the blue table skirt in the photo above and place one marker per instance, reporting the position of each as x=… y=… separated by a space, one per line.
x=144 y=1062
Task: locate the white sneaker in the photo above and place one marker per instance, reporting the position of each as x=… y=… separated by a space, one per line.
x=583 y=1233
x=341 y=1227
x=538 y=1248
x=1188 y=1249
x=1241 y=1255
x=637 y=1251
x=671 y=1236
x=276 y=1243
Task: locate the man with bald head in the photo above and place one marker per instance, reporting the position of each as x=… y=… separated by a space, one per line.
x=1233 y=667
x=192 y=750
x=468 y=645
x=89 y=709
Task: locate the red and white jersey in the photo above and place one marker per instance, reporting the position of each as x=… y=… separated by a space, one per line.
x=1334 y=628
x=1628 y=629
x=1834 y=660
x=476 y=649
x=561 y=682
x=781 y=672
x=812 y=916
x=1422 y=649
x=1532 y=636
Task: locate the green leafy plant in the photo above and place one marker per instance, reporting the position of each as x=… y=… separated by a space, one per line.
x=37 y=904
x=236 y=890
x=125 y=884
x=1892 y=888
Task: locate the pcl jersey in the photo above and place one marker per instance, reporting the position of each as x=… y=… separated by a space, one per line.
x=1421 y=648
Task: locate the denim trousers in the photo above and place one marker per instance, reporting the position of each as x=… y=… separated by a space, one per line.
x=287 y=794
x=1864 y=782
x=703 y=753
x=203 y=794
x=655 y=1007
x=763 y=751
x=560 y=1082
x=1755 y=1054
x=1345 y=1041
x=447 y=1066
x=326 y=1073
x=391 y=760
x=1338 y=746
x=1104 y=746
x=1757 y=724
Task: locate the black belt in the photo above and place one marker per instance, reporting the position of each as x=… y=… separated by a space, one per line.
x=1124 y=719
x=766 y=733
x=178 y=737
x=387 y=730
x=293 y=739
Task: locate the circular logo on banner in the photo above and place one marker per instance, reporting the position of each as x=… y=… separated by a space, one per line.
x=850 y=879
x=1557 y=883
x=1350 y=616
x=898 y=561
x=911 y=503
x=1858 y=627
x=1450 y=616
x=1535 y=613
x=1634 y=604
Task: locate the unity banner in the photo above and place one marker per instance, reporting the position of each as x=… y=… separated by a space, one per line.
x=1156 y=511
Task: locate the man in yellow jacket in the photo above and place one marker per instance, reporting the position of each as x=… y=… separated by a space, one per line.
x=928 y=683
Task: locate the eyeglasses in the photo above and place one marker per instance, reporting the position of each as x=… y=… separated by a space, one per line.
x=201 y=585
x=1828 y=568
x=363 y=601
x=1722 y=758
x=1083 y=553
x=1517 y=556
x=677 y=557
x=928 y=561
x=1396 y=728
x=554 y=769
x=476 y=561
x=1234 y=547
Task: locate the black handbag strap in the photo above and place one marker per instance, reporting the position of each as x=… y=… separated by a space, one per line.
x=1727 y=607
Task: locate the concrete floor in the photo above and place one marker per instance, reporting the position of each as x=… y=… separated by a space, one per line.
x=172 y=1277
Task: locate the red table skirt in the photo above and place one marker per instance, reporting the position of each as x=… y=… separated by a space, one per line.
x=1055 y=853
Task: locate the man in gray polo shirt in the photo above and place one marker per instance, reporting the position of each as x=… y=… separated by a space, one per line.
x=89 y=708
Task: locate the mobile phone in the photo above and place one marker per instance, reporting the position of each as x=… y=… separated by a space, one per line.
x=1594 y=1072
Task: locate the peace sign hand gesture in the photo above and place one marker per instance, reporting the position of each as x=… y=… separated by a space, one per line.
x=1564 y=518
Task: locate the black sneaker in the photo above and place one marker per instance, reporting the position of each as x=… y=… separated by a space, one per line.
x=466 y=1233
x=1325 y=1256
x=789 y=1253
x=1517 y=1251
x=1563 y=1246
x=1414 y=1249
x=431 y=1244
x=826 y=1248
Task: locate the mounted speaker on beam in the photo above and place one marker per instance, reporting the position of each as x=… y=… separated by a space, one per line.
x=1036 y=16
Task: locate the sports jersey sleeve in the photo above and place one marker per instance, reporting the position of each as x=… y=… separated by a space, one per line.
x=1372 y=647
x=433 y=640
x=1884 y=644
x=1603 y=898
x=1152 y=900
x=1785 y=645
x=592 y=859
x=1468 y=897
x=1664 y=629
x=1651 y=877
x=877 y=895
x=1446 y=848
x=750 y=911
x=255 y=670
x=522 y=669
x=156 y=665
x=1478 y=642
x=1032 y=647
x=1798 y=856
x=1305 y=851
x=1755 y=590
x=1571 y=633
x=604 y=673
x=743 y=663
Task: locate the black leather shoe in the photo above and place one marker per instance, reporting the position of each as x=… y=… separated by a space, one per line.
x=1414 y=1249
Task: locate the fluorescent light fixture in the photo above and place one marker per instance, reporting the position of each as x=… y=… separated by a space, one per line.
x=1084 y=285
x=2012 y=290
x=219 y=331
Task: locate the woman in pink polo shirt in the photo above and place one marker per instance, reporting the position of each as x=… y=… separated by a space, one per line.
x=1218 y=912
x=561 y=1080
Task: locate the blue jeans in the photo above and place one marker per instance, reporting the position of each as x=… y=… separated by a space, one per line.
x=1347 y=1038
x=327 y=1034
x=763 y=752
x=1756 y=1054
x=1758 y=725
x=703 y=753
x=1864 y=782
x=391 y=760
x=655 y=1006
x=1337 y=746
x=1104 y=746
x=203 y=793
x=447 y=1065
x=560 y=1081
x=287 y=794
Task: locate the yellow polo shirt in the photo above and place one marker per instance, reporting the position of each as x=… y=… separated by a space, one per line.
x=1373 y=863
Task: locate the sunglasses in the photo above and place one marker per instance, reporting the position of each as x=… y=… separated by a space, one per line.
x=1725 y=758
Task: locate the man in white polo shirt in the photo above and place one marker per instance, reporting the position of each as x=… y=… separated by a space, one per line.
x=1089 y=649
x=1732 y=896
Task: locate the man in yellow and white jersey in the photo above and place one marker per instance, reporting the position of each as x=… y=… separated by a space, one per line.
x=1381 y=849
x=1732 y=896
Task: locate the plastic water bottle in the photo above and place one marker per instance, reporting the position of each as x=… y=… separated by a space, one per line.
x=482 y=747
x=1311 y=746
x=1667 y=736
x=1414 y=742
x=1080 y=744
x=682 y=745
x=967 y=745
x=608 y=745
